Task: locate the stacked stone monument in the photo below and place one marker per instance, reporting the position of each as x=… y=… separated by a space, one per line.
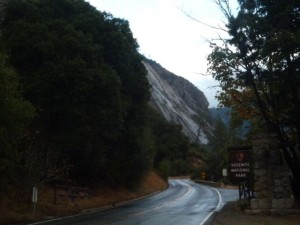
x=272 y=187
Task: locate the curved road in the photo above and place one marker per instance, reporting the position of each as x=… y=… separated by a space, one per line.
x=183 y=203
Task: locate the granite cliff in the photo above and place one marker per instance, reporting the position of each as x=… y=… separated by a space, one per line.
x=179 y=101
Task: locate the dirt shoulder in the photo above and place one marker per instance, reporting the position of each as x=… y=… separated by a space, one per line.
x=20 y=213
x=231 y=215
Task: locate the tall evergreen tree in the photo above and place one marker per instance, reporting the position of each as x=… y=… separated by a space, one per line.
x=217 y=153
x=258 y=69
x=15 y=114
x=81 y=70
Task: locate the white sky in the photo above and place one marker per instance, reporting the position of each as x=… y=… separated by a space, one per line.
x=175 y=41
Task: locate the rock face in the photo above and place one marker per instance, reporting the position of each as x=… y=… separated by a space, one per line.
x=180 y=101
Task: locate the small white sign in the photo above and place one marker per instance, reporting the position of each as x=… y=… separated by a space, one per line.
x=224 y=172
x=34 y=194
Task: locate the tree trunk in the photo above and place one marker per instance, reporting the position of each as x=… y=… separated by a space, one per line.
x=291 y=157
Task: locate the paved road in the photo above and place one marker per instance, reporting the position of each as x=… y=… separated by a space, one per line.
x=184 y=203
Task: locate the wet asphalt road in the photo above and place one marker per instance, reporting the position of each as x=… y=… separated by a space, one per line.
x=183 y=203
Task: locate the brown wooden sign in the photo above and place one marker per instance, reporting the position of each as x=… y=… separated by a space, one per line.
x=240 y=164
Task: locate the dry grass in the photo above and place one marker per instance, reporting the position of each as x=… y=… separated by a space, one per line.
x=13 y=213
x=151 y=183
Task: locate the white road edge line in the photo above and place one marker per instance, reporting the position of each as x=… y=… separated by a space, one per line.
x=100 y=209
x=217 y=208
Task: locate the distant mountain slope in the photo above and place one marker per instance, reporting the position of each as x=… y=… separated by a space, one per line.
x=222 y=113
x=180 y=101
x=225 y=115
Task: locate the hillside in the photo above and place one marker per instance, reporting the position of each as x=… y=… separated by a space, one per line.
x=221 y=113
x=225 y=114
x=76 y=110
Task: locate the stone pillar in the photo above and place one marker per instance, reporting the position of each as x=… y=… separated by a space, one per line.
x=273 y=193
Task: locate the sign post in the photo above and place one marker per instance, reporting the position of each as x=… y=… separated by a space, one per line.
x=224 y=172
x=240 y=170
x=34 y=198
x=240 y=164
x=203 y=175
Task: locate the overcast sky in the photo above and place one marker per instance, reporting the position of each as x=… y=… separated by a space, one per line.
x=168 y=36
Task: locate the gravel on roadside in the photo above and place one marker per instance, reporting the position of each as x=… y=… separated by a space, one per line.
x=231 y=215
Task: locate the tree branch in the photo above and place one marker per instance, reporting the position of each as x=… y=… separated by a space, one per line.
x=205 y=24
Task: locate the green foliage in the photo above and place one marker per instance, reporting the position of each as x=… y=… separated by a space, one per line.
x=227 y=133
x=196 y=173
x=81 y=70
x=164 y=169
x=258 y=70
x=172 y=147
x=216 y=154
x=15 y=114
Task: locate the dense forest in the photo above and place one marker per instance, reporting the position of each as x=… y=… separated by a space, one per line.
x=74 y=101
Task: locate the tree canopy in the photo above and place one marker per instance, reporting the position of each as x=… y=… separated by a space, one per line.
x=74 y=100
x=258 y=70
x=81 y=71
x=15 y=114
